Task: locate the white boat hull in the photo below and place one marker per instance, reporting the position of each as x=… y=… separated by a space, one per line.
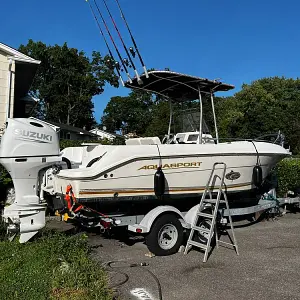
x=127 y=172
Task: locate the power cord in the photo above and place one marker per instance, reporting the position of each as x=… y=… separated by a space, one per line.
x=134 y=265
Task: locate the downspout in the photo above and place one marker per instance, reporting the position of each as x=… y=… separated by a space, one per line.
x=9 y=73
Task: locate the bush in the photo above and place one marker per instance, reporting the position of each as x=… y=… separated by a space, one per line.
x=72 y=143
x=4 y=176
x=288 y=174
x=52 y=266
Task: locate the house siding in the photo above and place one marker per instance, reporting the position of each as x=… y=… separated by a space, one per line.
x=4 y=67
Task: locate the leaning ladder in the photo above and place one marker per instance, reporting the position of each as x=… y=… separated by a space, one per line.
x=215 y=207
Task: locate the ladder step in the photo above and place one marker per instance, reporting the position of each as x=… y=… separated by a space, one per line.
x=196 y=244
x=205 y=230
x=201 y=214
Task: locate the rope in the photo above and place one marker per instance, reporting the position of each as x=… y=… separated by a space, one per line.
x=258 y=159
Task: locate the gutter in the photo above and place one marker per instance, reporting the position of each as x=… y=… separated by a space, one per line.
x=9 y=75
x=25 y=60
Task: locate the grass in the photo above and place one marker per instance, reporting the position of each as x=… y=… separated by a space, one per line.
x=53 y=266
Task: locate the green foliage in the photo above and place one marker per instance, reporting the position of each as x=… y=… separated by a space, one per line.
x=66 y=81
x=128 y=114
x=53 y=266
x=74 y=143
x=288 y=174
x=159 y=123
x=265 y=106
x=4 y=177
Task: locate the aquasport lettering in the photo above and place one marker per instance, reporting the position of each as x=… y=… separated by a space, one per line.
x=172 y=166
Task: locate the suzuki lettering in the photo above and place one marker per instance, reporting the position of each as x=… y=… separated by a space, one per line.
x=34 y=135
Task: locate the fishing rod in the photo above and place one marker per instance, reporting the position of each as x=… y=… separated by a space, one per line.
x=133 y=40
x=107 y=29
x=125 y=48
x=116 y=64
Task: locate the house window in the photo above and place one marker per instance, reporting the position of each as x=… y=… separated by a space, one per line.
x=64 y=135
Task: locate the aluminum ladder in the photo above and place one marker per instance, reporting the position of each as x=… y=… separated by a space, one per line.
x=214 y=203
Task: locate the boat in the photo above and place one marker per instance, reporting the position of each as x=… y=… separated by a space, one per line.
x=122 y=176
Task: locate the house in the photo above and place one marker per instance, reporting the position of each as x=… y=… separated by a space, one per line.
x=103 y=134
x=68 y=132
x=17 y=72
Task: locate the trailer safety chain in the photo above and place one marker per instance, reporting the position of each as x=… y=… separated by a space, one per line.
x=133 y=265
x=74 y=207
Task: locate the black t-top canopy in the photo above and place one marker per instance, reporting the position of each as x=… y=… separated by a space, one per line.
x=177 y=86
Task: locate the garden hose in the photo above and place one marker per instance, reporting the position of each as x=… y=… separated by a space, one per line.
x=134 y=265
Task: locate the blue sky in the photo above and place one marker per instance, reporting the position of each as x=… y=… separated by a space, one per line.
x=237 y=41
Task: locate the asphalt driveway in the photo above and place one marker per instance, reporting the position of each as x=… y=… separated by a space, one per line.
x=268 y=266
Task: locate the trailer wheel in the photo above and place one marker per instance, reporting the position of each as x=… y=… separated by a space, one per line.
x=200 y=236
x=165 y=236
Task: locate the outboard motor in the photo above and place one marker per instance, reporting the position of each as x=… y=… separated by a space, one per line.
x=27 y=147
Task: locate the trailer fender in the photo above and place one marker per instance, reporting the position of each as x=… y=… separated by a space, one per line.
x=191 y=214
x=145 y=225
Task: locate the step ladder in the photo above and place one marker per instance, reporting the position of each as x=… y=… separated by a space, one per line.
x=214 y=203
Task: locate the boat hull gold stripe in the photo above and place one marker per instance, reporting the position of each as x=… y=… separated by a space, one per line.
x=152 y=191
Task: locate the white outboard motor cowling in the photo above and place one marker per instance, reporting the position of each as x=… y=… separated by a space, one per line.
x=28 y=146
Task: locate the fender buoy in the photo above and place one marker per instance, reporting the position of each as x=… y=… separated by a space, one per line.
x=159 y=182
x=257 y=176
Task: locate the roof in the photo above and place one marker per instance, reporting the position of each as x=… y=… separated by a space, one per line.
x=177 y=86
x=17 y=55
x=94 y=130
x=72 y=128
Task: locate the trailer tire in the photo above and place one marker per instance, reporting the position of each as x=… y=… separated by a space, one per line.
x=165 y=236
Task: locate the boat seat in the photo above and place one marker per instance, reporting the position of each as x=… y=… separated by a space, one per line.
x=144 y=141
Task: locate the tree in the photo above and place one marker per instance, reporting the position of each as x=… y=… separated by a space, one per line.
x=66 y=81
x=159 y=122
x=143 y=113
x=265 y=106
x=129 y=114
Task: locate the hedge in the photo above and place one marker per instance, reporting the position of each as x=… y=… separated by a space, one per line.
x=288 y=175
